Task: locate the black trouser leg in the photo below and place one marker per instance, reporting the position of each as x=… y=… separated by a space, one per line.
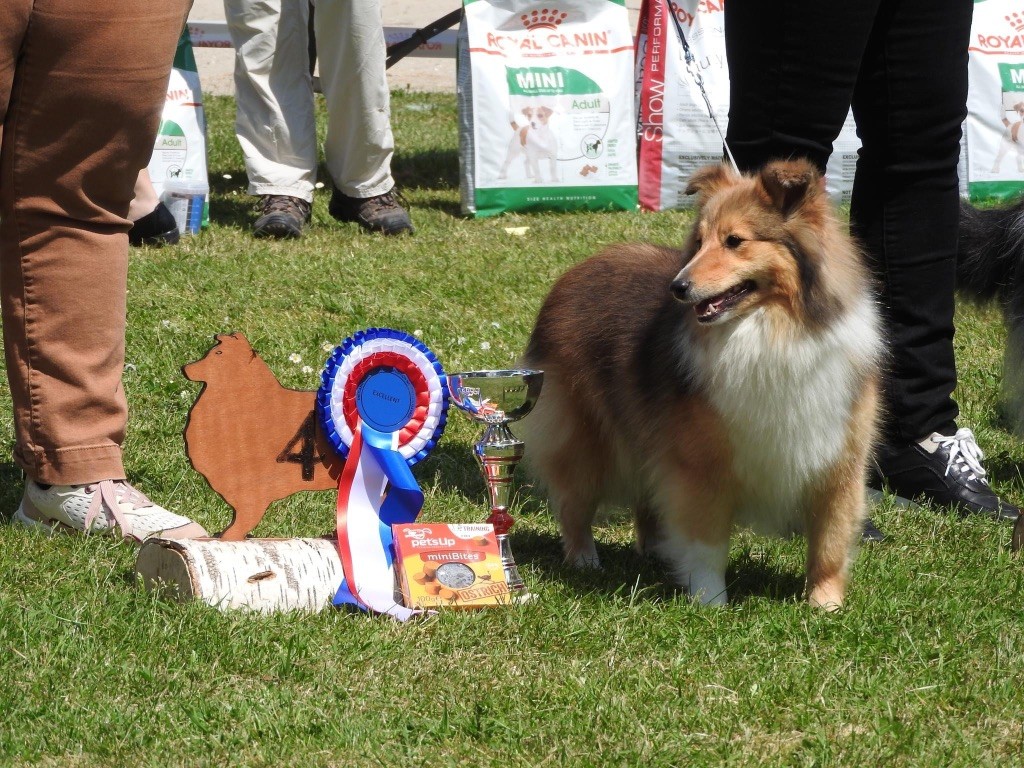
x=795 y=68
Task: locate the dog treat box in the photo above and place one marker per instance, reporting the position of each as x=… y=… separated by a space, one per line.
x=441 y=564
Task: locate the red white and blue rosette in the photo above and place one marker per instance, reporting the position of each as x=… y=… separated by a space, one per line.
x=383 y=404
x=391 y=382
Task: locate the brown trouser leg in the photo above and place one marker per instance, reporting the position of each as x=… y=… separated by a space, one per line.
x=82 y=83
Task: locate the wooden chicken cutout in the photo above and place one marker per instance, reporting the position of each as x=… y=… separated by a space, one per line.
x=253 y=440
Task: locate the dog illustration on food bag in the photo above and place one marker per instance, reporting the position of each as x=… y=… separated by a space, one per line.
x=1012 y=138
x=520 y=122
x=535 y=141
x=542 y=145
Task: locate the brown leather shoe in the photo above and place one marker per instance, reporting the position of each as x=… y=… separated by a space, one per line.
x=382 y=213
x=281 y=216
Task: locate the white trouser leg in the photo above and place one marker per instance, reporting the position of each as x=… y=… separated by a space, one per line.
x=274 y=92
x=352 y=52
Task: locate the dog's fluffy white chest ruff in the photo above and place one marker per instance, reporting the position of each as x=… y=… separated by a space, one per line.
x=786 y=404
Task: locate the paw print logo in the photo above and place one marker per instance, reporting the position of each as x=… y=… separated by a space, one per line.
x=1016 y=20
x=545 y=18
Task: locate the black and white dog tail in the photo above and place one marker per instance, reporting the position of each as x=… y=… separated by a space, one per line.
x=991 y=253
x=990 y=267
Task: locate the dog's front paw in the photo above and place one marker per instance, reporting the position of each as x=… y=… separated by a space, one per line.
x=827 y=595
x=720 y=599
x=697 y=567
x=585 y=562
x=708 y=588
x=583 y=557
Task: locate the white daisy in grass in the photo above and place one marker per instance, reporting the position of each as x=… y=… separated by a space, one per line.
x=295 y=357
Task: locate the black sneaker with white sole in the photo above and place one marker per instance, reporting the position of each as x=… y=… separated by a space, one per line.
x=871 y=532
x=950 y=475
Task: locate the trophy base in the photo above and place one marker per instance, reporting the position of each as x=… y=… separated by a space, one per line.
x=515 y=582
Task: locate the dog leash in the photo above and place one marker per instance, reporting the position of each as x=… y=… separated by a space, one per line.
x=691 y=68
x=403 y=48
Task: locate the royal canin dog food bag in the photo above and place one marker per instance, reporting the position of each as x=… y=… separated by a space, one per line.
x=546 y=112
x=179 y=153
x=994 y=131
x=676 y=134
x=675 y=131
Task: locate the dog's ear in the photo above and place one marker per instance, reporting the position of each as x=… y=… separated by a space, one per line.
x=789 y=183
x=708 y=180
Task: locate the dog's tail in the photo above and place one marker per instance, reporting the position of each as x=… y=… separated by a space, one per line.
x=991 y=252
x=990 y=267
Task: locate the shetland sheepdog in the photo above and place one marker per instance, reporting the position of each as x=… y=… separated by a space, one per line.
x=733 y=382
x=990 y=268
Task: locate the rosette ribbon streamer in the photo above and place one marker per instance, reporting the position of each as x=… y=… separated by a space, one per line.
x=376 y=490
x=383 y=405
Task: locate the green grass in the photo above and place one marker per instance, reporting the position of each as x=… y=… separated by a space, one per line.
x=924 y=667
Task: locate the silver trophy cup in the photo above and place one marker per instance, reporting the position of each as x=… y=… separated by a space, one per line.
x=496 y=399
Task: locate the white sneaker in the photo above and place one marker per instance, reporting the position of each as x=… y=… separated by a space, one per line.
x=102 y=507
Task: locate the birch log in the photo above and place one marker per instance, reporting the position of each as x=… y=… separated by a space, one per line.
x=265 y=575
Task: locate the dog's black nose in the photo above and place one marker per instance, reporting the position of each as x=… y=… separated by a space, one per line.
x=680 y=289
